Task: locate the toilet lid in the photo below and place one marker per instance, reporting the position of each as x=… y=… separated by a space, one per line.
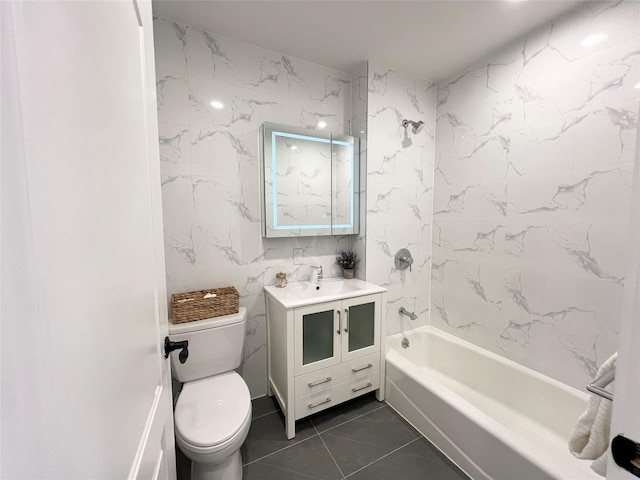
x=212 y=410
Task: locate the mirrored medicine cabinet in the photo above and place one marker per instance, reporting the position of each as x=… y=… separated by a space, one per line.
x=309 y=182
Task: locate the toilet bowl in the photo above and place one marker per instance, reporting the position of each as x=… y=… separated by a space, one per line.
x=213 y=411
x=212 y=419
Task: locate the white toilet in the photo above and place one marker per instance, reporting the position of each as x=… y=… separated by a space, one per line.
x=213 y=411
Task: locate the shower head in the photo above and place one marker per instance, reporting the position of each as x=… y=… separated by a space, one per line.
x=416 y=127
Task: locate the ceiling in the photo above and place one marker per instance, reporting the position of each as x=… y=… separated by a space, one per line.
x=430 y=39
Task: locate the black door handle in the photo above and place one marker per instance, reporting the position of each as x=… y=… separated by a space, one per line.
x=626 y=454
x=170 y=346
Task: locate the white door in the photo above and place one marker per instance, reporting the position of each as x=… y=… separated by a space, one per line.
x=85 y=388
x=626 y=401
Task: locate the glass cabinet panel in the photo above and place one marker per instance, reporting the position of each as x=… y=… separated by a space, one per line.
x=317 y=336
x=361 y=326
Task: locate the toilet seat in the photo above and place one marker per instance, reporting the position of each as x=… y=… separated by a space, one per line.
x=213 y=413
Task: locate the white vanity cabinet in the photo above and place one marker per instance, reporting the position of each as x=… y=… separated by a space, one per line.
x=323 y=351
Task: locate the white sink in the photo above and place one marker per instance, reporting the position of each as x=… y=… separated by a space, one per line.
x=304 y=290
x=307 y=293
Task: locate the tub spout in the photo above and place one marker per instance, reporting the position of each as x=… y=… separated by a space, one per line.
x=404 y=311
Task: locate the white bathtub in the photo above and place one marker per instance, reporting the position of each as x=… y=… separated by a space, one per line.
x=492 y=417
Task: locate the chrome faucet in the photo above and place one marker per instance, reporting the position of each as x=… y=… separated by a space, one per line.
x=404 y=311
x=316 y=274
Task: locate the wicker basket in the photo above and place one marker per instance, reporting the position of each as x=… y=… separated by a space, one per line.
x=191 y=306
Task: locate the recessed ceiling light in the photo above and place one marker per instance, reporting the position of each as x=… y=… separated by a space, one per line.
x=593 y=39
x=293 y=147
x=637 y=85
x=217 y=104
x=321 y=124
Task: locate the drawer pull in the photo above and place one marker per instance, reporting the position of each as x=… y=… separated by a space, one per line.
x=319 y=382
x=354 y=370
x=361 y=388
x=311 y=405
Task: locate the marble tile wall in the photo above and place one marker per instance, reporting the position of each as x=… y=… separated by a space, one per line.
x=534 y=160
x=399 y=191
x=359 y=99
x=210 y=169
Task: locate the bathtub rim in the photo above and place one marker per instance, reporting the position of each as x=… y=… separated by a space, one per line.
x=482 y=351
x=397 y=361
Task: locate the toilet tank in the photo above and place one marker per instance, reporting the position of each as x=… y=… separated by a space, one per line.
x=215 y=346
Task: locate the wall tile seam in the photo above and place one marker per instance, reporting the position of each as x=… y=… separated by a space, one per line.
x=487 y=180
x=281 y=100
x=565 y=115
x=612 y=165
x=522 y=268
x=628 y=105
x=432 y=198
x=439 y=219
x=213 y=178
x=400 y=184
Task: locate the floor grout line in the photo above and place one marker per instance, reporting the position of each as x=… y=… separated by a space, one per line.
x=384 y=404
x=384 y=456
x=351 y=419
x=330 y=454
x=264 y=415
x=283 y=448
x=316 y=432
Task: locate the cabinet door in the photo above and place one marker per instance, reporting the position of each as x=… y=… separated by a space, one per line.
x=317 y=337
x=360 y=326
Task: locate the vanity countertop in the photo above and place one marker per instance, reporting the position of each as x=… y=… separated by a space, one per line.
x=300 y=294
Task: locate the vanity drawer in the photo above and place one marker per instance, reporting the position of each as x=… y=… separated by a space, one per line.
x=316 y=402
x=331 y=376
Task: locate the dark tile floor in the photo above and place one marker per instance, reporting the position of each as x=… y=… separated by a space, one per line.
x=360 y=440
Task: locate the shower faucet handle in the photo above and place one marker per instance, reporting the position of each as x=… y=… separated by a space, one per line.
x=403 y=259
x=408 y=260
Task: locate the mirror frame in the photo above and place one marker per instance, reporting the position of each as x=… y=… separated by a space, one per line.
x=269 y=132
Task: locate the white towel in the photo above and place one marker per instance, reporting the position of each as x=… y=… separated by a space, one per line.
x=590 y=438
